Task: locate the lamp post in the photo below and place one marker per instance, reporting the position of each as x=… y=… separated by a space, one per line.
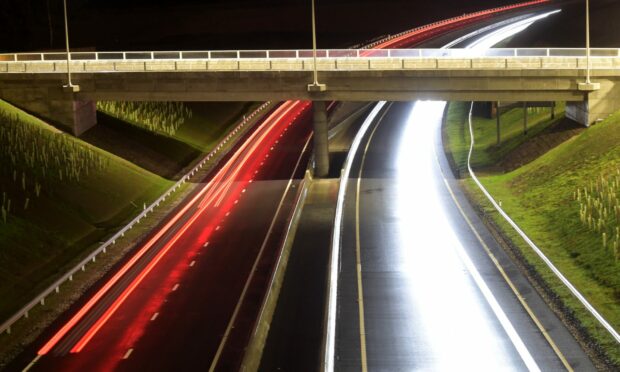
x=588 y=42
x=69 y=87
x=588 y=86
x=315 y=86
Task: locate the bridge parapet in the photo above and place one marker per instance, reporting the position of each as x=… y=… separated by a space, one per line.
x=301 y=60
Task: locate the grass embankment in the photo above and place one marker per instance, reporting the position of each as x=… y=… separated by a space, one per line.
x=70 y=216
x=540 y=197
x=70 y=213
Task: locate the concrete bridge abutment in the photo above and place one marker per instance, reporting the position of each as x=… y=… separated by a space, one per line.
x=55 y=106
x=598 y=103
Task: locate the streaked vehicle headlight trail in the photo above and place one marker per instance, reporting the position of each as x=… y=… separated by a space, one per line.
x=437 y=265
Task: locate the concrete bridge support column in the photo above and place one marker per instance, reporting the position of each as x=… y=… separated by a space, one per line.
x=321 y=145
x=57 y=107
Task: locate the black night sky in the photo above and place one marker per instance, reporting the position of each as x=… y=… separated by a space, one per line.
x=34 y=25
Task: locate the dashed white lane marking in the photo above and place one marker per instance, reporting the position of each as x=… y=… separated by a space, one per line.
x=128 y=353
x=206 y=244
x=154 y=316
x=192 y=263
x=176 y=286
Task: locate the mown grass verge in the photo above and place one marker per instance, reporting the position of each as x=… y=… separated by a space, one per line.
x=69 y=215
x=539 y=197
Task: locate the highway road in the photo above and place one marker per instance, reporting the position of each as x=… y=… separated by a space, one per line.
x=186 y=299
x=422 y=284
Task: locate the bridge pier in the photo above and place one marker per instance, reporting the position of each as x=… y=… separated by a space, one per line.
x=54 y=105
x=320 y=140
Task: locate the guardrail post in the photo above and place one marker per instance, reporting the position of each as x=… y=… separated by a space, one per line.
x=26 y=315
x=124 y=56
x=498 y=116
x=43 y=301
x=57 y=289
x=524 y=118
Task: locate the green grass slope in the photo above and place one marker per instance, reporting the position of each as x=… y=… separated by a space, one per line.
x=66 y=218
x=539 y=196
x=487 y=153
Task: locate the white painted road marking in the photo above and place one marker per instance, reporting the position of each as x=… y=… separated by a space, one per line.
x=128 y=353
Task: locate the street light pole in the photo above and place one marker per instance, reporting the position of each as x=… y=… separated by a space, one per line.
x=588 y=41
x=315 y=86
x=69 y=87
x=588 y=86
x=316 y=78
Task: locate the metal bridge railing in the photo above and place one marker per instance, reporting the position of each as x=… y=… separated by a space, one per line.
x=302 y=54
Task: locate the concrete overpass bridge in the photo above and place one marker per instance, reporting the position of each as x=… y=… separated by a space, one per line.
x=34 y=81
